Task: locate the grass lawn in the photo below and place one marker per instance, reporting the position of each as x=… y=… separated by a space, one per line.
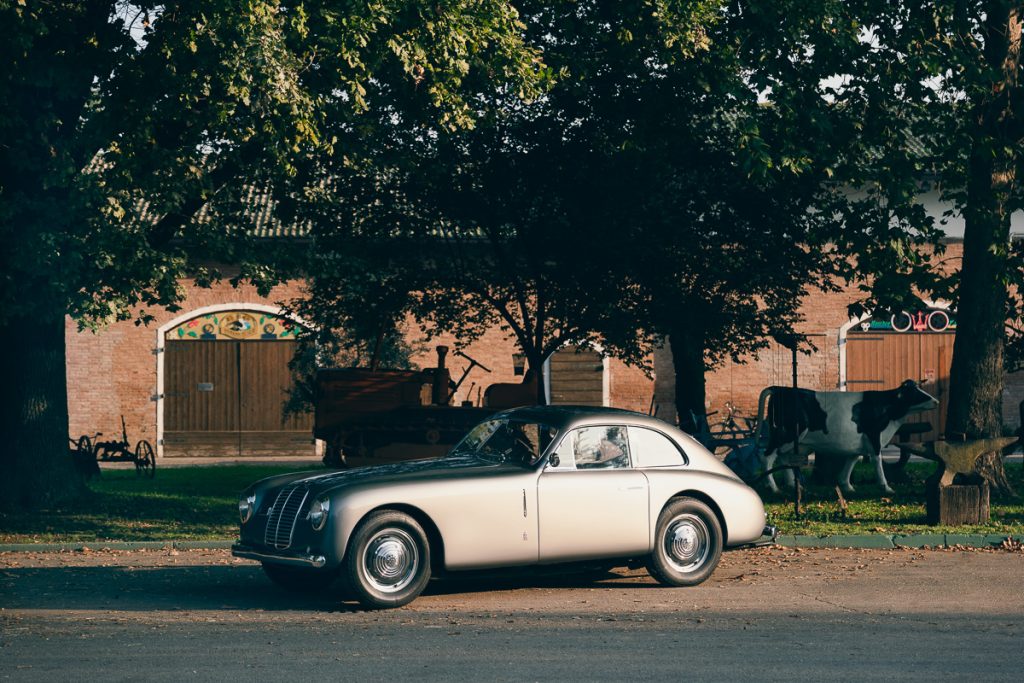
x=870 y=510
x=180 y=503
x=200 y=503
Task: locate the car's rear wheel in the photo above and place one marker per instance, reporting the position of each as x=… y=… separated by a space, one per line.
x=299 y=579
x=687 y=543
x=388 y=560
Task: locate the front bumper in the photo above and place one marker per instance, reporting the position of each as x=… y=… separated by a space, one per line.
x=296 y=560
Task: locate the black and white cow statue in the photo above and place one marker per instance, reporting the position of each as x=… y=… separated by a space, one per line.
x=837 y=424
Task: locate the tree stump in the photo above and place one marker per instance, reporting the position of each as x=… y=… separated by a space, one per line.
x=957 y=504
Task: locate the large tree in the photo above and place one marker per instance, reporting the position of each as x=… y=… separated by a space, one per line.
x=720 y=261
x=640 y=196
x=717 y=234
x=132 y=131
x=505 y=224
x=908 y=97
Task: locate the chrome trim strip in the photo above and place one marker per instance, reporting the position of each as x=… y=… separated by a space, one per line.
x=315 y=561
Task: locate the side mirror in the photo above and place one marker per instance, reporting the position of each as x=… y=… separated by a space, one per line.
x=553 y=461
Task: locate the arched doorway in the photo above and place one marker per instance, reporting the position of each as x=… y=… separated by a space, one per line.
x=224 y=381
x=883 y=351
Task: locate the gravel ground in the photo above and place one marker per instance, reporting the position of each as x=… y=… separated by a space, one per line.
x=766 y=614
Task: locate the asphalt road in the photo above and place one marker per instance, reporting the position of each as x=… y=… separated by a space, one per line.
x=769 y=614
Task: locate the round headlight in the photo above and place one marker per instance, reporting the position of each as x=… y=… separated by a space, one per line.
x=246 y=506
x=318 y=513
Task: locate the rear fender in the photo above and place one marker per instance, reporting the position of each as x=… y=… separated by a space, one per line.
x=738 y=507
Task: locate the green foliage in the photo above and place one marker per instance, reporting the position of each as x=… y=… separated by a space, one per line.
x=140 y=142
x=641 y=177
x=898 y=99
x=135 y=134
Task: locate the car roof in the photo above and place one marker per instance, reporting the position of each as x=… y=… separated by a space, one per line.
x=567 y=416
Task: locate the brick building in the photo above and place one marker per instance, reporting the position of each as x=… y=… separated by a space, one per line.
x=191 y=372
x=156 y=376
x=849 y=355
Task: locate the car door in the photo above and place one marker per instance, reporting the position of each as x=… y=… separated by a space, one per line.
x=592 y=504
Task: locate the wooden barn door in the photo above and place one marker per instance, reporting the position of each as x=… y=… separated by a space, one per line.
x=883 y=360
x=936 y=360
x=202 y=406
x=264 y=385
x=227 y=398
x=577 y=377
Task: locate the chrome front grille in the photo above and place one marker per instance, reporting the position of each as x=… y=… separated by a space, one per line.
x=283 y=516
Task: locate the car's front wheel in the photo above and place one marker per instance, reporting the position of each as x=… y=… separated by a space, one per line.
x=687 y=543
x=388 y=560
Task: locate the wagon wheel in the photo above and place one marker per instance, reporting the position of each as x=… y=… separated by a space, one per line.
x=145 y=460
x=84 y=458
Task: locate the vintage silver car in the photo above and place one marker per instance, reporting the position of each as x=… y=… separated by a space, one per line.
x=527 y=486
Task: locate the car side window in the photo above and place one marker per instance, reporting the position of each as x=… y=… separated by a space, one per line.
x=652 y=449
x=605 y=447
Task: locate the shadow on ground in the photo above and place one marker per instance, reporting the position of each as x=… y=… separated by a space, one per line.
x=244 y=587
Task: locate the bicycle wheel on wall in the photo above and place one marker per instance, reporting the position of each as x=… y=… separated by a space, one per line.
x=84 y=445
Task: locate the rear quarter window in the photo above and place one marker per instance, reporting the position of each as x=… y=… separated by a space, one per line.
x=653 y=449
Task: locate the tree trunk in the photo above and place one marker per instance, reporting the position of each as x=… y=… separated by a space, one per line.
x=535 y=364
x=990 y=469
x=35 y=467
x=976 y=376
x=686 y=342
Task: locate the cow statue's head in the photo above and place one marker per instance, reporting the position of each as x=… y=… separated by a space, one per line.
x=914 y=399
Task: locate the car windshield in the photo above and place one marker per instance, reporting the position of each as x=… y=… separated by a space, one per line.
x=507 y=441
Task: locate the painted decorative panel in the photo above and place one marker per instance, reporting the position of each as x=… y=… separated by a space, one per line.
x=245 y=325
x=925 y=320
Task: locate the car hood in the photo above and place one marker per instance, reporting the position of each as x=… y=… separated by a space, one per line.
x=448 y=467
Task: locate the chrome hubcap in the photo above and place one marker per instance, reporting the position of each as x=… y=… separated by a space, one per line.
x=391 y=560
x=687 y=543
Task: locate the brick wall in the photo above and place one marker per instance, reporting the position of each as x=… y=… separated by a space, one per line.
x=741 y=383
x=1013 y=394
x=629 y=387
x=824 y=316
x=113 y=372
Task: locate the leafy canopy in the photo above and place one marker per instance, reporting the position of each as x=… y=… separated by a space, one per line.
x=137 y=135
